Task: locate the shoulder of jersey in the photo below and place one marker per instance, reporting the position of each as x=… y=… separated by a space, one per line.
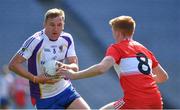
x=139 y=44
x=66 y=34
x=134 y=43
x=37 y=37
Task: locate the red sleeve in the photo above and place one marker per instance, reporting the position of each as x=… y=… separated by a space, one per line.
x=154 y=60
x=111 y=51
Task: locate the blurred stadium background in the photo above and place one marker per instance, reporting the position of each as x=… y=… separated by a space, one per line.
x=157 y=28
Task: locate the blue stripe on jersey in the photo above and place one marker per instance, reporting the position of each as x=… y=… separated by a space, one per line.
x=28 y=42
x=21 y=52
x=41 y=33
x=69 y=43
x=32 y=67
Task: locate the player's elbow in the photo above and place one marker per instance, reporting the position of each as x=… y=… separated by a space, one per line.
x=162 y=78
x=12 y=65
x=161 y=74
x=165 y=78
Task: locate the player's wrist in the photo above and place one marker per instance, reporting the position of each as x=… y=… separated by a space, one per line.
x=34 y=79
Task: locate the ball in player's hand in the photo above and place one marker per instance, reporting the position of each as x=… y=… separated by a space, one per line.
x=50 y=67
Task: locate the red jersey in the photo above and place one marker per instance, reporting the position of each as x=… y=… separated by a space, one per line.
x=134 y=65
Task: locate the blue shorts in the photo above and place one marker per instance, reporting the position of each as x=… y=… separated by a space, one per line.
x=60 y=101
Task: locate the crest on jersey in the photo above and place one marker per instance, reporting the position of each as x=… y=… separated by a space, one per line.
x=21 y=52
x=23 y=49
x=62 y=48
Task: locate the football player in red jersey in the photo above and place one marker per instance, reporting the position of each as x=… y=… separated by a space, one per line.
x=137 y=68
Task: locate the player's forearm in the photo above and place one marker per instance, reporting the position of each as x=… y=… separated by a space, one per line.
x=89 y=72
x=19 y=69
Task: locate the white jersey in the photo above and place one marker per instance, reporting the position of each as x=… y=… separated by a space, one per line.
x=38 y=49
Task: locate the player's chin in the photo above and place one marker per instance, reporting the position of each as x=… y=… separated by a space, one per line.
x=55 y=36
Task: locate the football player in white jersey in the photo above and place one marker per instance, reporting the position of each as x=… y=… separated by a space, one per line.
x=51 y=43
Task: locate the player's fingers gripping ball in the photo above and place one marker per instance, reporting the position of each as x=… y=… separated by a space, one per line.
x=50 y=68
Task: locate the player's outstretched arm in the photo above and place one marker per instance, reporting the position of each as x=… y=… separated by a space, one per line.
x=160 y=75
x=92 y=71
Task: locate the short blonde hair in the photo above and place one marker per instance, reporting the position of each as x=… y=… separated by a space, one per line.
x=125 y=24
x=52 y=13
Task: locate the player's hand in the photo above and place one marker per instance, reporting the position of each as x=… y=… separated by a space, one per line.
x=65 y=73
x=48 y=80
x=61 y=65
